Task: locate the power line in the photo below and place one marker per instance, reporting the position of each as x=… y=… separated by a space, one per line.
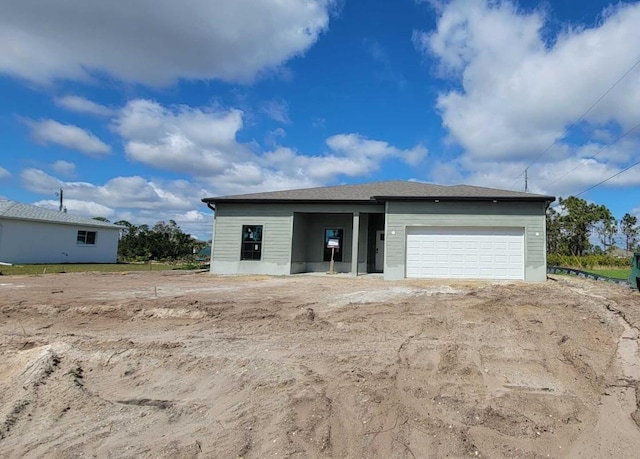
x=584 y=161
x=604 y=181
x=579 y=119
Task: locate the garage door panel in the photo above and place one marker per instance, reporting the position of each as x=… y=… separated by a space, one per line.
x=458 y=252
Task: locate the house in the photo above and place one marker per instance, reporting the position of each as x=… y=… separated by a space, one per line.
x=402 y=229
x=30 y=234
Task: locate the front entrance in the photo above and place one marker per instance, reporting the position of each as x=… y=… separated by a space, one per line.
x=379 y=264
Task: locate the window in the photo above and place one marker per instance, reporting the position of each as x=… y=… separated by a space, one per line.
x=251 y=242
x=333 y=233
x=86 y=237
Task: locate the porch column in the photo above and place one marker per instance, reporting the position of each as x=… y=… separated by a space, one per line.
x=355 y=238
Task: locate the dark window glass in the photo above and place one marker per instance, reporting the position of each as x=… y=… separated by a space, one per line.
x=333 y=233
x=86 y=237
x=251 y=242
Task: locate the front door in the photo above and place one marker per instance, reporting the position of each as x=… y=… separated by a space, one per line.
x=379 y=250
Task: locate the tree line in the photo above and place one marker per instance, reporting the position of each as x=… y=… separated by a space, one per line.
x=162 y=241
x=571 y=230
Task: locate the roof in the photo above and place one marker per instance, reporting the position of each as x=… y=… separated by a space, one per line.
x=383 y=191
x=19 y=211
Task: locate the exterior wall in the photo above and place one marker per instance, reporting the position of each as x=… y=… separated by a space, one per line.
x=292 y=239
x=527 y=215
x=299 y=245
x=276 y=224
x=31 y=242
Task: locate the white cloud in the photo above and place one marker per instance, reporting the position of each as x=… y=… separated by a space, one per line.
x=518 y=94
x=184 y=139
x=67 y=135
x=350 y=155
x=120 y=192
x=135 y=199
x=156 y=42
x=64 y=168
x=74 y=206
x=82 y=105
x=4 y=173
x=277 y=110
x=519 y=90
x=202 y=142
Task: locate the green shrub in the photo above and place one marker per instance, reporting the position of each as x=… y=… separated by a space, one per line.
x=587 y=261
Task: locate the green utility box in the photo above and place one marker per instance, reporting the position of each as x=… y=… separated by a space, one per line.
x=634 y=277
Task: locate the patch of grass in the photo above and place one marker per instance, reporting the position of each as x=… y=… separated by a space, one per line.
x=78 y=268
x=612 y=272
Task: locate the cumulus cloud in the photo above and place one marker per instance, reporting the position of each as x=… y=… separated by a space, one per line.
x=183 y=139
x=82 y=105
x=349 y=155
x=520 y=90
x=120 y=192
x=64 y=168
x=4 y=173
x=135 y=199
x=202 y=142
x=75 y=206
x=48 y=131
x=157 y=42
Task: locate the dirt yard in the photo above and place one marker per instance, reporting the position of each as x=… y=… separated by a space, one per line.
x=191 y=365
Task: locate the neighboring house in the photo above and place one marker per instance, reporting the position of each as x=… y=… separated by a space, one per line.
x=403 y=229
x=30 y=234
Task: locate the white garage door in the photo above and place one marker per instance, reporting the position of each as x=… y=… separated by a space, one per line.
x=465 y=253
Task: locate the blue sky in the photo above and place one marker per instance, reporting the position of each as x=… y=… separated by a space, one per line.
x=140 y=110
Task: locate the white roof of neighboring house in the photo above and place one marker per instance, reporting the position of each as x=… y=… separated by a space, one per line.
x=18 y=211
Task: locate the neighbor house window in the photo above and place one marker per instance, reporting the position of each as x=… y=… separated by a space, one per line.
x=333 y=233
x=251 y=242
x=87 y=237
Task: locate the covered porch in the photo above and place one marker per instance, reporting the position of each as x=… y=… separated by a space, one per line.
x=360 y=236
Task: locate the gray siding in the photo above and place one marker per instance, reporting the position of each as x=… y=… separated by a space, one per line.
x=289 y=244
x=527 y=215
x=276 y=224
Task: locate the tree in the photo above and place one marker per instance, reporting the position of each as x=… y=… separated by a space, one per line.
x=577 y=221
x=630 y=231
x=606 y=228
x=162 y=241
x=101 y=219
x=555 y=242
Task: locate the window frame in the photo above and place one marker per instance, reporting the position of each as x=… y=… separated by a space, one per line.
x=244 y=253
x=326 y=253
x=87 y=236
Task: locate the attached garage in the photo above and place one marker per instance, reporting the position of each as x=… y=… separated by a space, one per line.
x=465 y=252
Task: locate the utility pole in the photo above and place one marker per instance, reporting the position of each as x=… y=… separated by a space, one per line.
x=526 y=180
x=61 y=194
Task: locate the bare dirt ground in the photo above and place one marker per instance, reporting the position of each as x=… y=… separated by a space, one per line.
x=192 y=365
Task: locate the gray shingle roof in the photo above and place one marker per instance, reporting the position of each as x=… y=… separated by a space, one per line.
x=396 y=189
x=19 y=211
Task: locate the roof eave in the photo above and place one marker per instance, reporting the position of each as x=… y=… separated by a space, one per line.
x=58 y=222
x=214 y=201
x=465 y=198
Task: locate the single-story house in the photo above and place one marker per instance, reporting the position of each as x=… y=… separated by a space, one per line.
x=399 y=228
x=32 y=235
